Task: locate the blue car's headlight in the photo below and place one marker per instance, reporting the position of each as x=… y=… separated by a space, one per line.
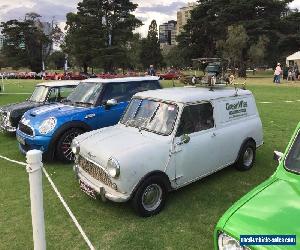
x=48 y=125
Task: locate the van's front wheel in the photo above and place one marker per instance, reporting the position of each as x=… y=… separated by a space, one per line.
x=150 y=197
x=63 y=148
x=247 y=156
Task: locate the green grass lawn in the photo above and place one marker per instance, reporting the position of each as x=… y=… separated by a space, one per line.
x=190 y=215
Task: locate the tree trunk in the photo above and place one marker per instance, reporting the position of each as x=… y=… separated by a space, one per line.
x=242 y=65
x=85 y=68
x=242 y=70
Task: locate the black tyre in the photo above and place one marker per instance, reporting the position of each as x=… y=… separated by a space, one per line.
x=246 y=157
x=63 y=146
x=150 y=197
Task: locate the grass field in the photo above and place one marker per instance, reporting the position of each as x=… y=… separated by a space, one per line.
x=190 y=215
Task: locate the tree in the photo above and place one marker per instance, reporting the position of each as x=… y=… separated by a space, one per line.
x=233 y=48
x=257 y=51
x=23 y=44
x=26 y=43
x=211 y=19
x=150 y=52
x=134 y=47
x=56 y=60
x=98 y=33
x=175 y=58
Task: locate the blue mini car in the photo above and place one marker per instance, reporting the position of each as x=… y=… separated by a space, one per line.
x=95 y=103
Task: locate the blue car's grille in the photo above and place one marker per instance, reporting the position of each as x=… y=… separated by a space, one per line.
x=25 y=129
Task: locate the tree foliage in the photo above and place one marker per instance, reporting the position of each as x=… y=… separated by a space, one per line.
x=270 y=19
x=23 y=44
x=56 y=60
x=26 y=44
x=98 y=33
x=150 y=52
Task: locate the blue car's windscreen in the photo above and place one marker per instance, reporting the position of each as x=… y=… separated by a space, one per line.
x=292 y=161
x=86 y=93
x=155 y=116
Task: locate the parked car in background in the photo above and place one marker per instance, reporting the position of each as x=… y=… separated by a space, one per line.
x=170 y=75
x=43 y=94
x=272 y=208
x=95 y=103
x=165 y=140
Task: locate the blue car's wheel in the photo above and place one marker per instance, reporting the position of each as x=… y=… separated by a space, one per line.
x=63 y=148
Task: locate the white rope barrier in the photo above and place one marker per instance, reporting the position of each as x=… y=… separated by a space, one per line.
x=75 y=221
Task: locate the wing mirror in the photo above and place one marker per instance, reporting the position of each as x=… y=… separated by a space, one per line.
x=277 y=156
x=185 y=138
x=110 y=103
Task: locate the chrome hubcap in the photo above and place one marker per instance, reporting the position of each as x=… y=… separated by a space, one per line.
x=66 y=146
x=248 y=157
x=152 y=197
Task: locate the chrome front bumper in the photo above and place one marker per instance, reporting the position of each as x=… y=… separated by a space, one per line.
x=9 y=129
x=102 y=190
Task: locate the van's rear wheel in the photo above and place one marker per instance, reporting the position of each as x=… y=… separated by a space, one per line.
x=63 y=148
x=150 y=197
x=247 y=156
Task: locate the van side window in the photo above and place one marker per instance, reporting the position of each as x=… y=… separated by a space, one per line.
x=196 y=118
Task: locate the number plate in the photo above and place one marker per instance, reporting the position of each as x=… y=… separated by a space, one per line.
x=20 y=140
x=87 y=189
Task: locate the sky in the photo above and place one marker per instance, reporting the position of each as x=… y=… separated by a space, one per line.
x=160 y=10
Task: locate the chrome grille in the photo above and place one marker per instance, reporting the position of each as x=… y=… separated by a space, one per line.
x=25 y=129
x=3 y=118
x=95 y=171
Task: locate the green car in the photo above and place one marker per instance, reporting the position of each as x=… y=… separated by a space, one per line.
x=272 y=208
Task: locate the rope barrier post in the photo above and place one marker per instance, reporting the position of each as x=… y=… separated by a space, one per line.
x=34 y=169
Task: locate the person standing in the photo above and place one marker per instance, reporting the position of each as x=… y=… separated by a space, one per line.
x=277 y=73
x=151 y=71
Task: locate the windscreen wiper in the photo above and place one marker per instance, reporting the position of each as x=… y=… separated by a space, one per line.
x=84 y=103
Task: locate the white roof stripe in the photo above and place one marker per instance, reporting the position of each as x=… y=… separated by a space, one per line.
x=59 y=83
x=124 y=79
x=185 y=95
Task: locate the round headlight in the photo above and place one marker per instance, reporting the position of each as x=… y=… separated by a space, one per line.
x=113 y=167
x=48 y=125
x=75 y=147
x=226 y=242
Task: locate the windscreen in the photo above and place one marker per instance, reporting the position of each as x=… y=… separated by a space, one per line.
x=292 y=161
x=154 y=116
x=85 y=93
x=39 y=94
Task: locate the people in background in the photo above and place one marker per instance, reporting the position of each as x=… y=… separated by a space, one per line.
x=151 y=71
x=277 y=73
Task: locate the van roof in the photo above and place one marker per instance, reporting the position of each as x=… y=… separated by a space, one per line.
x=191 y=94
x=122 y=79
x=60 y=83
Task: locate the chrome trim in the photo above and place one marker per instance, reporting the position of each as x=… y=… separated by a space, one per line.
x=100 y=188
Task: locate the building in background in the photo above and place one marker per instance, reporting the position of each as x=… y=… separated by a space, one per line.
x=183 y=15
x=167 y=33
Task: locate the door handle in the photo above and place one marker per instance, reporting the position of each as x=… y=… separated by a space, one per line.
x=89 y=116
x=213 y=134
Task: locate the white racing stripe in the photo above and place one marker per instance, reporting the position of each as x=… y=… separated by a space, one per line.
x=88 y=242
x=15 y=93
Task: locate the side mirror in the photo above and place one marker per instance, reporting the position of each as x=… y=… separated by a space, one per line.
x=110 y=103
x=277 y=156
x=185 y=138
